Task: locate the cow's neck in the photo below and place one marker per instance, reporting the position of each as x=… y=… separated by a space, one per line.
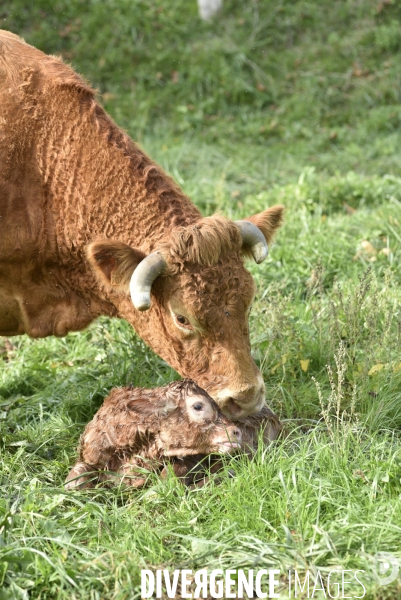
x=106 y=187
x=117 y=193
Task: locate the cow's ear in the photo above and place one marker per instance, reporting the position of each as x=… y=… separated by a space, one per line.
x=268 y=221
x=147 y=407
x=114 y=262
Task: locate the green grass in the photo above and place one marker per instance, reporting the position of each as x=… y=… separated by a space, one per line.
x=295 y=102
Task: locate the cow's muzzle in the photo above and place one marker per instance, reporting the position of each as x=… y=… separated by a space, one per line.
x=241 y=402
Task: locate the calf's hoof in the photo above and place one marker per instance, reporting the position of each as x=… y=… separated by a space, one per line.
x=81 y=476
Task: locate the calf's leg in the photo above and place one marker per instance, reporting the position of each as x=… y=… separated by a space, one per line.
x=131 y=474
x=81 y=476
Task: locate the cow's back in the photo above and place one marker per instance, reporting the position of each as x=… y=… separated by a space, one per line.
x=17 y=58
x=15 y=54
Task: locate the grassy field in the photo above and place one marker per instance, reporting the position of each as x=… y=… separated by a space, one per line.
x=292 y=101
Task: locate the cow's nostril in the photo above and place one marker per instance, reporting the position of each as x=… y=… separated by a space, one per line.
x=236 y=433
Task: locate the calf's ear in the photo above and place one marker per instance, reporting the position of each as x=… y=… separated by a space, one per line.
x=113 y=262
x=268 y=221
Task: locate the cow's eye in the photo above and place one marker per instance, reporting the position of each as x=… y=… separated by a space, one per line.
x=197 y=406
x=183 y=321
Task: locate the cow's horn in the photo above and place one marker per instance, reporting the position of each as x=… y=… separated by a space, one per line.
x=142 y=278
x=254 y=238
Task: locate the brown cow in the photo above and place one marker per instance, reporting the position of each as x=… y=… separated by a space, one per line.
x=137 y=428
x=86 y=218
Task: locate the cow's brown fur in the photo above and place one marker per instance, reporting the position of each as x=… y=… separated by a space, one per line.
x=138 y=428
x=73 y=186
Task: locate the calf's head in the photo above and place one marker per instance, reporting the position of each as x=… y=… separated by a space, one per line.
x=190 y=297
x=188 y=421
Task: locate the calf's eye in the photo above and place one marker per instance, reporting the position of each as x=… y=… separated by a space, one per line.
x=183 y=321
x=197 y=406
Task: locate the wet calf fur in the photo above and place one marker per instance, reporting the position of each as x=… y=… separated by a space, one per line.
x=263 y=427
x=138 y=429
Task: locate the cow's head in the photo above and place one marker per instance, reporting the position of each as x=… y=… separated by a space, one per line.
x=190 y=301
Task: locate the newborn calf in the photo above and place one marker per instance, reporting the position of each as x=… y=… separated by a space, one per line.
x=135 y=429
